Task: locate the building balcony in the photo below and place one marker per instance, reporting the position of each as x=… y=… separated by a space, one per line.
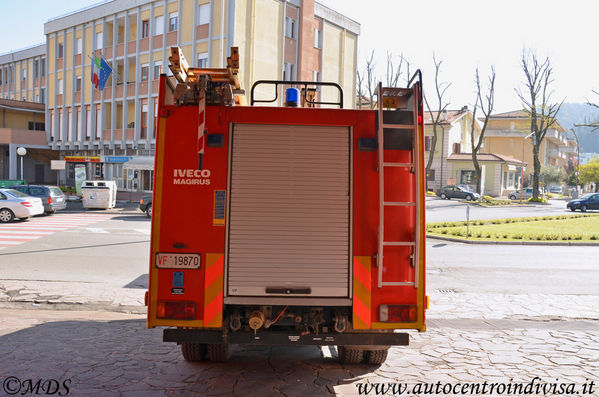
x=171 y=38
x=155 y=86
x=130 y=134
x=59 y=100
x=77 y=59
x=120 y=50
x=131 y=89
x=108 y=52
x=144 y=44
x=23 y=137
x=77 y=97
x=59 y=63
x=107 y=135
x=143 y=87
x=119 y=91
x=202 y=31
x=157 y=42
x=131 y=49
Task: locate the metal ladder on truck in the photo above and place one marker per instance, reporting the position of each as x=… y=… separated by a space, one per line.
x=399 y=117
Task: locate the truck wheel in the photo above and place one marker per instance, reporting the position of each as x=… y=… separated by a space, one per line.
x=219 y=352
x=149 y=211
x=193 y=351
x=376 y=356
x=350 y=356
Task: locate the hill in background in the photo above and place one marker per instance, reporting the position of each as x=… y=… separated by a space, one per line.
x=581 y=113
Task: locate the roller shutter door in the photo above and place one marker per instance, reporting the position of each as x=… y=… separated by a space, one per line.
x=289 y=219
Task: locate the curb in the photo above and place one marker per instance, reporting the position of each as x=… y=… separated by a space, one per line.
x=497 y=242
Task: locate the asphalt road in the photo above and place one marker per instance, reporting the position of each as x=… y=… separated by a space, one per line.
x=438 y=210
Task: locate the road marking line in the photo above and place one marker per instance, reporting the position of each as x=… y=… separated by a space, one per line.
x=96 y=230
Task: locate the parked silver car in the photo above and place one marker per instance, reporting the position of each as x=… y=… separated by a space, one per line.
x=14 y=204
x=52 y=197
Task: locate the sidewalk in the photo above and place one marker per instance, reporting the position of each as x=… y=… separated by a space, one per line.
x=122 y=207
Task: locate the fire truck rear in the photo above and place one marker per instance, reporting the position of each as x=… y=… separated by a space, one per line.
x=296 y=225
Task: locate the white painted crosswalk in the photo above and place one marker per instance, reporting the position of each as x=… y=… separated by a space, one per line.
x=16 y=233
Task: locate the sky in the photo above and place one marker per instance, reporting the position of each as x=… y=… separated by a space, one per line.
x=463 y=34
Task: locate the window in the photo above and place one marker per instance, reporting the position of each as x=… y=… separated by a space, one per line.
x=52 y=125
x=35 y=69
x=431 y=175
x=144 y=122
x=145 y=28
x=317 y=38
x=78 y=84
x=88 y=119
x=157 y=70
x=159 y=25
x=78 y=122
x=205 y=14
x=98 y=123
x=43 y=67
x=173 y=20
x=466 y=177
x=456 y=148
x=79 y=46
x=290 y=27
x=315 y=75
x=60 y=125
x=288 y=71
x=60 y=50
x=203 y=60
x=68 y=137
x=99 y=40
x=144 y=72
x=60 y=87
x=24 y=74
x=428 y=142
x=42 y=95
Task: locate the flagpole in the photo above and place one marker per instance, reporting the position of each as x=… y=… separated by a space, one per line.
x=118 y=76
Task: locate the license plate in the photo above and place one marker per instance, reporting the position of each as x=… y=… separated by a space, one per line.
x=178 y=261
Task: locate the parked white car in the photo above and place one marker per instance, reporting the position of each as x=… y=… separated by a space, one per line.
x=14 y=204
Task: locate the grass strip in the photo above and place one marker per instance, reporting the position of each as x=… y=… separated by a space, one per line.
x=581 y=228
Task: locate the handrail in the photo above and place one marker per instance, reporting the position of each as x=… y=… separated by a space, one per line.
x=305 y=85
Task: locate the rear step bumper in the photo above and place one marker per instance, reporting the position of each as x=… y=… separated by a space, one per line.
x=284 y=338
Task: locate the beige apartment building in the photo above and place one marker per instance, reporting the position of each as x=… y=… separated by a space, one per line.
x=112 y=131
x=506 y=134
x=23 y=74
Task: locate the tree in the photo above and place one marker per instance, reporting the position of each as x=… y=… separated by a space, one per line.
x=589 y=173
x=366 y=82
x=553 y=174
x=537 y=103
x=440 y=90
x=595 y=124
x=486 y=107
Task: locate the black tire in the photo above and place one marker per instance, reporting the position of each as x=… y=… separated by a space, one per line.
x=193 y=351
x=219 y=352
x=469 y=197
x=50 y=213
x=6 y=215
x=443 y=196
x=572 y=209
x=376 y=357
x=583 y=208
x=350 y=356
x=149 y=211
x=512 y=197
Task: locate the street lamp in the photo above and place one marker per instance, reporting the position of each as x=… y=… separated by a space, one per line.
x=21 y=151
x=522 y=167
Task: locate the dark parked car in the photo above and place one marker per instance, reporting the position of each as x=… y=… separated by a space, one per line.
x=52 y=197
x=589 y=201
x=145 y=204
x=451 y=191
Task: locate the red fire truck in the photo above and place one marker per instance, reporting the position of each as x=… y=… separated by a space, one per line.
x=295 y=225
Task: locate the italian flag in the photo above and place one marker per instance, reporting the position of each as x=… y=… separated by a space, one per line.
x=96 y=66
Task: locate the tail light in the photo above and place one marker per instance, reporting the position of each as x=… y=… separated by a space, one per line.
x=25 y=203
x=398 y=313
x=49 y=200
x=176 y=310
